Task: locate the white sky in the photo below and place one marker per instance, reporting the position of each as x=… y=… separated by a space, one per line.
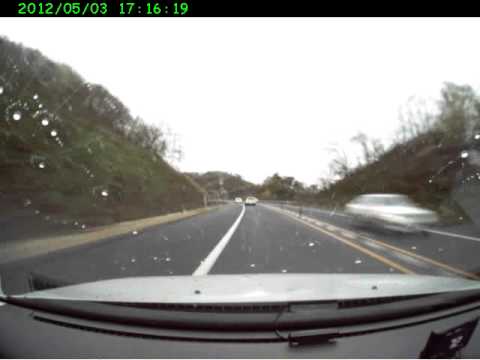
x=258 y=96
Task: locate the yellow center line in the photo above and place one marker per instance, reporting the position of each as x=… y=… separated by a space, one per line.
x=357 y=247
x=399 y=250
x=425 y=259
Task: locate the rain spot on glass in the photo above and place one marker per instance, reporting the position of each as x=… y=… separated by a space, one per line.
x=133 y=260
x=40 y=106
x=53 y=133
x=134 y=232
x=104 y=193
x=1 y=90
x=167 y=259
x=252 y=265
x=413 y=248
x=123 y=268
x=477 y=137
x=155 y=258
x=83 y=226
x=311 y=244
x=41 y=165
x=47 y=218
x=27 y=203
x=75 y=223
x=284 y=270
x=17 y=115
x=44 y=122
x=164 y=237
x=358 y=261
x=460 y=218
x=35 y=97
x=37 y=212
x=464 y=154
x=430 y=181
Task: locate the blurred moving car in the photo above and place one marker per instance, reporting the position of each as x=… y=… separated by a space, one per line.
x=238 y=200
x=251 y=200
x=392 y=211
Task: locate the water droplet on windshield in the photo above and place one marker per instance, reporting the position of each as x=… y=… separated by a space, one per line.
x=53 y=133
x=155 y=258
x=284 y=270
x=477 y=136
x=134 y=232
x=252 y=265
x=413 y=248
x=104 y=193
x=464 y=154
x=41 y=165
x=35 y=97
x=17 y=115
x=40 y=106
x=358 y=261
x=310 y=244
x=123 y=268
x=44 y=122
x=1 y=90
x=164 y=237
x=430 y=181
x=167 y=259
x=133 y=260
x=83 y=226
x=27 y=202
x=37 y=212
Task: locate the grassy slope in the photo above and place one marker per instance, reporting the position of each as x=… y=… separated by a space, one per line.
x=425 y=168
x=92 y=157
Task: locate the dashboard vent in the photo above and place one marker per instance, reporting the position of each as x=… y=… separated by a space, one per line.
x=353 y=303
x=224 y=308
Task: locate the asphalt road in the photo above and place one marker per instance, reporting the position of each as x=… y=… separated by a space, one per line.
x=255 y=239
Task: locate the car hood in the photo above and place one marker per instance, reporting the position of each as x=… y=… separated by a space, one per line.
x=253 y=288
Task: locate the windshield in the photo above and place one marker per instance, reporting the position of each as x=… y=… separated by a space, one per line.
x=201 y=148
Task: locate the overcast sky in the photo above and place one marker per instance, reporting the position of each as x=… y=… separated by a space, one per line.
x=258 y=96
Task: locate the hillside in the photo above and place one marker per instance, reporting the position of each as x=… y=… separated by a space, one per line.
x=70 y=151
x=436 y=165
x=222 y=185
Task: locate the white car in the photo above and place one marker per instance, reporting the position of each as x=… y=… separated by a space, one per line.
x=250 y=200
x=238 y=200
x=392 y=211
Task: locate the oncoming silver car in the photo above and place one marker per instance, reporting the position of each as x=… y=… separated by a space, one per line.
x=392 y=211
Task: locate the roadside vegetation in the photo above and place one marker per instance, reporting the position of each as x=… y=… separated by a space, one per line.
x=73 y=154
x=433 y=158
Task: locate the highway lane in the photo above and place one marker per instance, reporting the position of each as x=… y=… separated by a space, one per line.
x=261 y=239
x=446 y=245
x=174 y=248
x=268 y=242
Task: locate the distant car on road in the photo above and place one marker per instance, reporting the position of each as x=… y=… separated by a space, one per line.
x=238 y=200
x=251 y=200
x=392 y=211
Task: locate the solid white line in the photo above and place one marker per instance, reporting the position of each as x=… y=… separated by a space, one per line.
x=211 y=258
x=452 y=234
